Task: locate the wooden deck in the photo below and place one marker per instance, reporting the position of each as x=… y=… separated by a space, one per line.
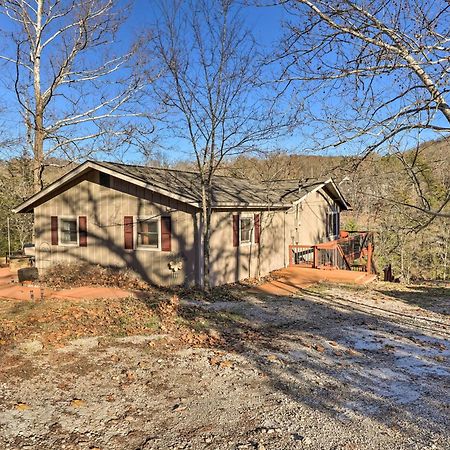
x=293 y=278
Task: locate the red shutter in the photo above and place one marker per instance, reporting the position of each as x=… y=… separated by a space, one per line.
x=235 y=230
x=257 y=221
x=82 y=231
x=166 y=234
x=128 y=232
x=54 y=228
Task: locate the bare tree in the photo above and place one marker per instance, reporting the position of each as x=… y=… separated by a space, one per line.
x=374 y=74
x=76 y=93
x=211 y=89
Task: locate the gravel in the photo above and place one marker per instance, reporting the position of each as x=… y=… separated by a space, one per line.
x=332 y=369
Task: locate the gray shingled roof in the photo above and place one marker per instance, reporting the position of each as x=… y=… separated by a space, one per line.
x=226 y=190
x=185 y=186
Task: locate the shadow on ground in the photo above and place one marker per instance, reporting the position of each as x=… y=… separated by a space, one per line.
x=344 y=357
x=435 y=299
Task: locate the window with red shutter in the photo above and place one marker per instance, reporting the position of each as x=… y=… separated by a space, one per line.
x=128 y=232
x=54 y=229
x=166 y=233
x=82 y=231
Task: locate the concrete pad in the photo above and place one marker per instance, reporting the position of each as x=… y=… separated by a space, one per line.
x=91 y=293
x=13 y=290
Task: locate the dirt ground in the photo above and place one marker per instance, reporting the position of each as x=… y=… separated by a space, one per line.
x=329 y=368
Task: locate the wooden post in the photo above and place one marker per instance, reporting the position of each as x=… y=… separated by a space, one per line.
x=316 y=257
x=369 y=258
x=9 y=237
x=291 y=263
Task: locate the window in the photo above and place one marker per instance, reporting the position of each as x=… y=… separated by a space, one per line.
x=333 y=222
x=69 y=231
x=246 y=228
x=148 y=233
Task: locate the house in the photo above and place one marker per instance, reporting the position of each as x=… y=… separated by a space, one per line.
x=150 y=220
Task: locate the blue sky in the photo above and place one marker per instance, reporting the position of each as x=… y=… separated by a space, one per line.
x=265 y=23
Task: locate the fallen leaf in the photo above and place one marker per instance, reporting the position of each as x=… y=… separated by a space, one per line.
x=77 y=403
x=22 y=407
x=351 y=352
x=225 y=364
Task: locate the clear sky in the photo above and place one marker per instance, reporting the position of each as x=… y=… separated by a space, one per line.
x=265 y=23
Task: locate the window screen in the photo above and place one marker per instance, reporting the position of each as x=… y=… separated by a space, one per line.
x=148 y=233
x=246 y=229
x=69 y=231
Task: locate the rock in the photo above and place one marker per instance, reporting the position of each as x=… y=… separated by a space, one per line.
x=31 y=346
x=297 y=437
x=214 y=334
x=179 y=407
x=85 y=343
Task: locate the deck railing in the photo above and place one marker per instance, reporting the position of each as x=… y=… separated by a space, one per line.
x=352 y=251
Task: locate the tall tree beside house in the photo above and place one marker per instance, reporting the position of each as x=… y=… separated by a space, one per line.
x=211 y=89
x=377 y=76
x=76 y=84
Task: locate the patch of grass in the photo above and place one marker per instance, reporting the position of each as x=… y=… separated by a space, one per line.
x=229 y=316
x=153 y=323
x=198 y=324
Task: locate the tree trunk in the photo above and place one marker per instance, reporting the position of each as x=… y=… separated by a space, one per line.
x=206 y=234
x=38 y=142
x=38 y=153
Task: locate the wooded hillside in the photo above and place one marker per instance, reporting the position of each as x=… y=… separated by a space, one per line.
x=384 y=193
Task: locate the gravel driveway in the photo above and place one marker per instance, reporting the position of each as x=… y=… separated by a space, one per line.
x=330 y=368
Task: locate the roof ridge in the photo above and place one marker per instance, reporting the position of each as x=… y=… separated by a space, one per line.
x=166 y=169
x=298 y=180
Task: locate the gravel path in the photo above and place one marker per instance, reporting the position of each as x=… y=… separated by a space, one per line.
x=327 y=369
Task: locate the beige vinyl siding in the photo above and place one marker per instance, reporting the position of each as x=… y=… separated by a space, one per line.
x=279 y=229
x=311 y=227
x=230 y=264
x=105 y=209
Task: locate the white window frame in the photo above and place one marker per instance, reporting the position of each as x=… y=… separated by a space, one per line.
x=136 y=234
x=252 y=229
x=68 y=244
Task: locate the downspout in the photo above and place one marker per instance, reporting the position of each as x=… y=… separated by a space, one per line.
x=284 y=239
x=199 y=220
